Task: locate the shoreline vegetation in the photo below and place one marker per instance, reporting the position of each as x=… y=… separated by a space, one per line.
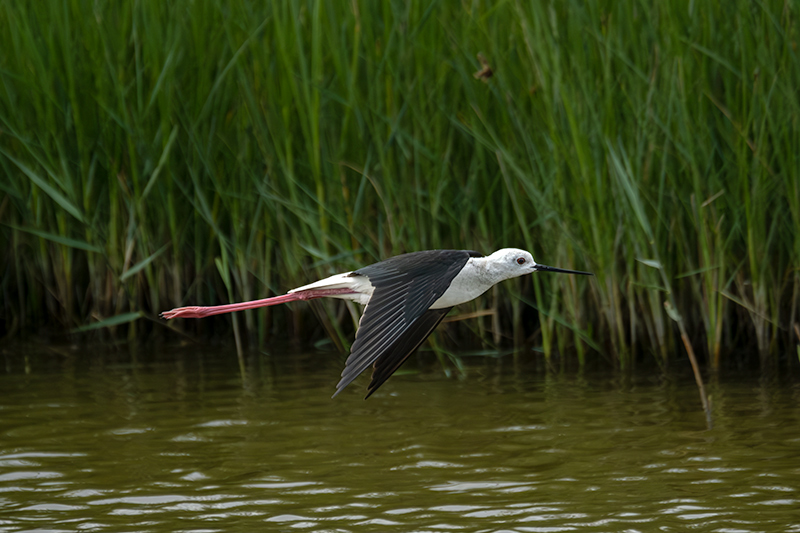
x=160 y=154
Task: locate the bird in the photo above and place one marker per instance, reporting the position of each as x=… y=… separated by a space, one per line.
x=405 y=298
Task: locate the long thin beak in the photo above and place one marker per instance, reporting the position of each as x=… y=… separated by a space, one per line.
x=544 y=268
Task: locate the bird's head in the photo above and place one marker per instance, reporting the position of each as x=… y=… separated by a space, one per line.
x=512 y=262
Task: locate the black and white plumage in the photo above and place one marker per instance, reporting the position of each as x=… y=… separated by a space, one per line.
x=406 y=297
x=398 y=316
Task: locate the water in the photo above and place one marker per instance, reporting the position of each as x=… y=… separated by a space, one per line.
x=174 y=440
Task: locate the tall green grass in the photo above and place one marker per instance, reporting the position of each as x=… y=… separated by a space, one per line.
x=156 y=154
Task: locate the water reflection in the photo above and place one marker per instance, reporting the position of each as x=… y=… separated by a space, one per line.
x=175 y=441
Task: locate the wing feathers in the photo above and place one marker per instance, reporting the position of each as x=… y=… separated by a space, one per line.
x=397 y=318
x=400 y=351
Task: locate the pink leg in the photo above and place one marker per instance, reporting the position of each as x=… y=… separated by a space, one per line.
x=201 y=312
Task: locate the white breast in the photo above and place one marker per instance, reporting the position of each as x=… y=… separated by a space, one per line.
x=471 y=282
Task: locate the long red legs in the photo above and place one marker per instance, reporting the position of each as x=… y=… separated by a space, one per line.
x=200 y=312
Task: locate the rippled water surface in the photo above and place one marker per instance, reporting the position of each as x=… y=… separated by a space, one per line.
x=175 y=440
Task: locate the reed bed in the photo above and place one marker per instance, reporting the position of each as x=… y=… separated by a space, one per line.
x=157 y=154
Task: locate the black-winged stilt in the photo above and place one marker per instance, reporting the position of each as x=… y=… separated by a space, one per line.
x=406 y=297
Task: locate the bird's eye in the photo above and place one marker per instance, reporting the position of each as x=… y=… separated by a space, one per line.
x=520 y=260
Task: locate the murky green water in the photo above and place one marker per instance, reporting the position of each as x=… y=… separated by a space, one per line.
x=174 y=441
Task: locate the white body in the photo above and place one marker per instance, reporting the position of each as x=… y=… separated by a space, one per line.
x=478 y=276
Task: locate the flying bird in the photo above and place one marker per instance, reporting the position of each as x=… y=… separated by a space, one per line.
x=406 y=297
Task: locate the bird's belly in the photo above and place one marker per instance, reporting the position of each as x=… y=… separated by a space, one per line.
x=360 y=285
x=357 y=297
x=456 y=297
x=465 y=286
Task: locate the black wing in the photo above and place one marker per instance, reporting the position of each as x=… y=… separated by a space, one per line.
x=396 y=355
x=405 y=288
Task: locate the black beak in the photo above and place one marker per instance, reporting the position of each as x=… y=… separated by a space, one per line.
x=545 y=268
